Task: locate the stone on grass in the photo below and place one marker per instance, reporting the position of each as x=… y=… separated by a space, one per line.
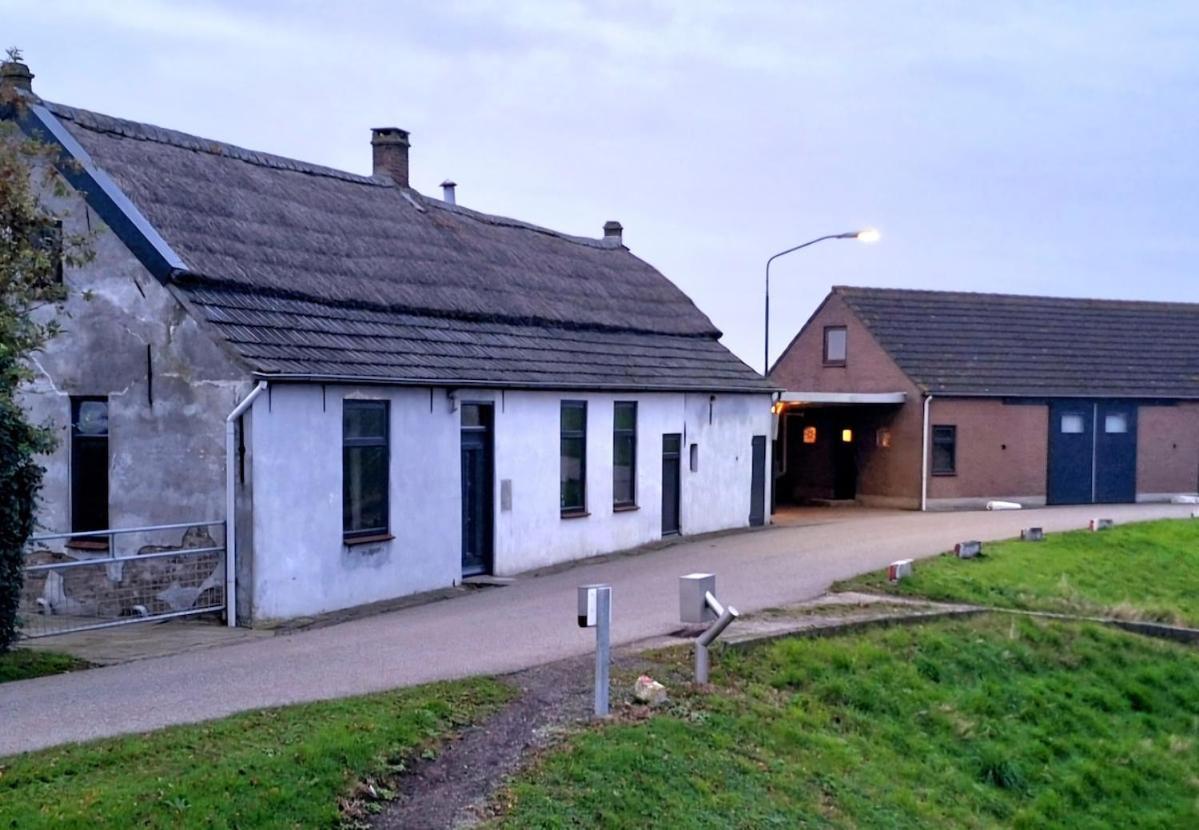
x=898 y=570
x=649 y=691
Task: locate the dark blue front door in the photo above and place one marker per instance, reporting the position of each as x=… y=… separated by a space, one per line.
x=1071 y=452
x=1092 y=452
x=1116 y=453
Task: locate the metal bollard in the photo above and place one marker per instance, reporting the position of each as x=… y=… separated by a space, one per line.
x=595 y=611
x=698 y=603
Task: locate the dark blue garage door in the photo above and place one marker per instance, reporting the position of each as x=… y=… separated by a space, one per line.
x=1092 y=452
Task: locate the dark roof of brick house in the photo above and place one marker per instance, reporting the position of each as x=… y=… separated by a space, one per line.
x=957 y=343
x=310 y=272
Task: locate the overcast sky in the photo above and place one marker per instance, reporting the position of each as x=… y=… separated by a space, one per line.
x=1028 y=147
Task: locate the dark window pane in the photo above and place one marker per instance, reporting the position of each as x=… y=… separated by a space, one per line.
x=572 y=473
x=92 y=418
x=574 y=416
x=944 y=451
x=672 y=443
x=365 y=489
x=365 y=419
x=625 y=416
x=472 y=415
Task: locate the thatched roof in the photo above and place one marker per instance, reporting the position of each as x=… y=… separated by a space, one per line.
x=310 y=271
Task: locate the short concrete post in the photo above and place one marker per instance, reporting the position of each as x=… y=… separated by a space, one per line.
x=1033 y=534
x=900 y=569
x=1102 y=524
x=968 y=550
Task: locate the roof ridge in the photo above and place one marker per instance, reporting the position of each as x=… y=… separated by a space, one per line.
x=142 y=131
x=861 y=290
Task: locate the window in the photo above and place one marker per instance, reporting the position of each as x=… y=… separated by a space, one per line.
x=1073 y=425
x=809 y=435
x=847 y=436
x=945 y=450
x=624 y=454
x=573 y=491
x=1115 y=423
x=89 y=464
x=835 y=345
x=364 y=468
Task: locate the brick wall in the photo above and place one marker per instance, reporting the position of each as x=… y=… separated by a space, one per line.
x=1167 y=450
x=1002 y=449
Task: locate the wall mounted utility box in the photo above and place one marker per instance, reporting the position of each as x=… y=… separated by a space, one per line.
x=1102 y=524
x=968 y=550
x=693 y=607
x=1033 y=534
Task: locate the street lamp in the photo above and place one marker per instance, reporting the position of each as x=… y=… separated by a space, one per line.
x=865 y=235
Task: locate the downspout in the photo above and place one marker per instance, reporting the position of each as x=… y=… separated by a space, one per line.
x=928 y=399
x=231 y=502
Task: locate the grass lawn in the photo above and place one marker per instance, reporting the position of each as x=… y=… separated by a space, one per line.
x=1146 y=571
x=274 y=768
x=24 y=663
x=989 y=722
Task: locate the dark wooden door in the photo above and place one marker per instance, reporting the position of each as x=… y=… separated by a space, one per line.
x=757 y=483
x=478 y=497
x=1115 y=453
x=89 y=464
x=672 y=451
x=1071 y=452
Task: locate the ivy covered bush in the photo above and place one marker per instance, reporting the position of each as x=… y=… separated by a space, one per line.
x=33 y=253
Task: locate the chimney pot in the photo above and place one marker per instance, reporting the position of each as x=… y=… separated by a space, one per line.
x=389 y=152
x=16 y=75
x=613 y=232
x=447 y=192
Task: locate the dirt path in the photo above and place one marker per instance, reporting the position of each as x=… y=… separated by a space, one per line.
x=452 y=789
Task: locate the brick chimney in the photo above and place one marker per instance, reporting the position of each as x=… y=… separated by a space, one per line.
x=16 y=75
x=389 y=149
x=613 y=233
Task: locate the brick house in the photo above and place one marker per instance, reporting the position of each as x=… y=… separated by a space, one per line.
x=932 y=399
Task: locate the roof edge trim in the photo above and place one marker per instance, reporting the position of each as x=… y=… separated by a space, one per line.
x=491 y=384
x=103 y=194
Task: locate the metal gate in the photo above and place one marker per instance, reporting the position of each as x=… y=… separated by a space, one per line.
x=103 y=578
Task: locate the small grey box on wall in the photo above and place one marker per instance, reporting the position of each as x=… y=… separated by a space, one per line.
x=693 y=607
x=505 y=494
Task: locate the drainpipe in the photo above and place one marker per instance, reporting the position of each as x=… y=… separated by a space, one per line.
x=928 y=399
x=231 y=502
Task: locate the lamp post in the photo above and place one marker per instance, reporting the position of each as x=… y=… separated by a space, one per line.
x=864 y=235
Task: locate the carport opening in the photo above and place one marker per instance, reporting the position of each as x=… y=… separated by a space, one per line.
x=823 y=449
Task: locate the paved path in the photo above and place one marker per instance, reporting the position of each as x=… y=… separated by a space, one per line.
x=497 y=630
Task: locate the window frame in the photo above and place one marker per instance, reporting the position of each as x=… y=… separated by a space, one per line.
x=580 y=509
x=951 y=442
x=80 y=441
x=841 y=361
x=361 y=534
x=630 y=435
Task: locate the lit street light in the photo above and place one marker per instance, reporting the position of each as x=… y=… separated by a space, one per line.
x=865 y=235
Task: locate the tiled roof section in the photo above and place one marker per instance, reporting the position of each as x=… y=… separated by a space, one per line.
x=309 y=270
x=1019 y=346
x=284 y=336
